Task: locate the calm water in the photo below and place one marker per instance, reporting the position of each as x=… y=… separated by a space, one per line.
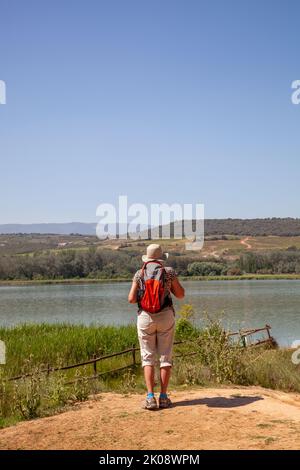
x=244 y=303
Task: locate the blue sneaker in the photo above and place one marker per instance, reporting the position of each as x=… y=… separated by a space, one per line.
x=164 y=402
x=150 y=403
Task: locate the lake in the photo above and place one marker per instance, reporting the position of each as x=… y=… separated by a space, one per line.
x=243 y=303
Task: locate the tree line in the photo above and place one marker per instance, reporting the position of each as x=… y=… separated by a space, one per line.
x=253 y=227
x=108 y=264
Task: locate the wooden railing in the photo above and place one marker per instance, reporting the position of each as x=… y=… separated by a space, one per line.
x=244 y=334
x=93 y=362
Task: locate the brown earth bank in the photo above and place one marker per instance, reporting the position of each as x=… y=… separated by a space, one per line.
x=201 y=418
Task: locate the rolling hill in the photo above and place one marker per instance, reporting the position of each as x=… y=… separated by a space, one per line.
x=239 y=227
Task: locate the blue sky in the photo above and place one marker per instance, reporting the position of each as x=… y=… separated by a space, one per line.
x=163 y=101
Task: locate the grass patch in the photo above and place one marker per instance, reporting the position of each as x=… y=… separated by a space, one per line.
x=62 y=344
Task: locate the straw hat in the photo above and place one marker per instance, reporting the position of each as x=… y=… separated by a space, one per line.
x=155 y=253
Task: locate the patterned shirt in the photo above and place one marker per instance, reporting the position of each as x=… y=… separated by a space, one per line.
x=170 y=275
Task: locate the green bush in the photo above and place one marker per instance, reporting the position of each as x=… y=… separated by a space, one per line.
x=203 y=268
x=185 y=328
x=220 y=354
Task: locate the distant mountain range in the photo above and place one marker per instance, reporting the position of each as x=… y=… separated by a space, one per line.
x=255 y=227
x=56 y=228
x=80 y=228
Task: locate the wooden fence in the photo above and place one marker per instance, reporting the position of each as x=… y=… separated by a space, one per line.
x=246 y=336
x=93 y=361
x=243 y=334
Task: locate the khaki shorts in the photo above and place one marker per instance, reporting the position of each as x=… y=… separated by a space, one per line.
x=156 y=335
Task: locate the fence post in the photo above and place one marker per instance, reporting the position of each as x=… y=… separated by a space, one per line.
x=133 y=355
x=95 y=364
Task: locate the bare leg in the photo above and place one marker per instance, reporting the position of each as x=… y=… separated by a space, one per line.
x=165 y=373
x=149 y=378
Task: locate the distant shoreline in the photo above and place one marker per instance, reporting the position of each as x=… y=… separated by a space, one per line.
x=244 y=277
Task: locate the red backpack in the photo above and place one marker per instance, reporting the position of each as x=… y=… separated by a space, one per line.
x=153 y=296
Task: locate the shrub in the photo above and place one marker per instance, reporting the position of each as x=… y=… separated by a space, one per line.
x=185 y=329
x=204 y=268
x=220 y=354
x=234 y=271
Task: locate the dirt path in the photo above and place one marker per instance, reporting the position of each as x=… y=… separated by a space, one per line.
x=222 y=418
x=215 y=254
x=244 y=242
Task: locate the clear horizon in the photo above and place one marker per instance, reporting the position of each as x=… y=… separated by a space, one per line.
x=166 y=102
x=95 y=222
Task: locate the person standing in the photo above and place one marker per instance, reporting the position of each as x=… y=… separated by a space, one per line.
x=152 y=288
